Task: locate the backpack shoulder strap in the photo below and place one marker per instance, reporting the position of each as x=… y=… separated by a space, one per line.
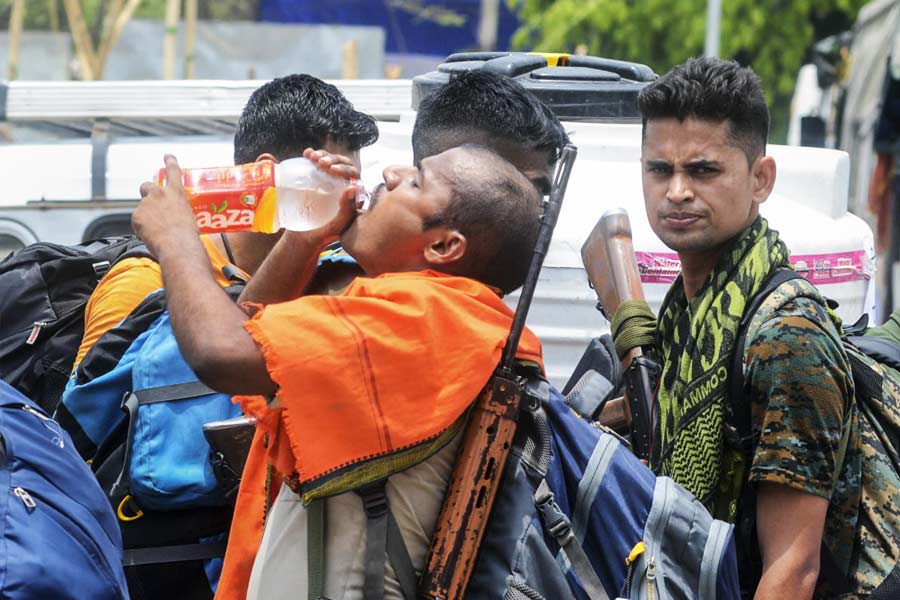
x=557 y=524
x=383 y=541
x=134 y=248
x=739 y=417
x=138 y=250
x=315 y=549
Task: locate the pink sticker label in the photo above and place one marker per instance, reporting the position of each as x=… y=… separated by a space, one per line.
x=836 y=267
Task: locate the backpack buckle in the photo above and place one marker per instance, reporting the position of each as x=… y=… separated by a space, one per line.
x=374 y=498
x=101 y=268
x=554 y=519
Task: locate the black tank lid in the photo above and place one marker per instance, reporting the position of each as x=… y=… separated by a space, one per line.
x=575 y=87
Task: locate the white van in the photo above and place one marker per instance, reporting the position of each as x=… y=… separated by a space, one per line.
x=595 y=98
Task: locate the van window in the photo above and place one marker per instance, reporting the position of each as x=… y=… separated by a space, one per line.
x=108 y=226
x=9 y=244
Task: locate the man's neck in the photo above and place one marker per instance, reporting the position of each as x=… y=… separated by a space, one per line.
x=695 y=268
x=249 y=249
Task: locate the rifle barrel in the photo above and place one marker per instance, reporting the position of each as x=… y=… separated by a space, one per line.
x=548 y=224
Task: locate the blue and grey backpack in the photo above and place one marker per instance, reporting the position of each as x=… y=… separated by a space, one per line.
x=578 y=516
x=58 y=534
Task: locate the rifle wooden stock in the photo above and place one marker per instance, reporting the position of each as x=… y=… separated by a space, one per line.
x=608 y=257
x=470 y=495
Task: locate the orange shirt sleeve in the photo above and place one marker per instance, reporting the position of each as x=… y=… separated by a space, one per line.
x=217 y=261
x=118 y=293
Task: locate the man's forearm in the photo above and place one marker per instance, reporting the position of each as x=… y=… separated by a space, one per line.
x=287 y=270
x=787 y=581
x=207 y=324
x=789 y=527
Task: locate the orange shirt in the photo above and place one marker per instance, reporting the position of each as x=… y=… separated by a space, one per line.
x=124 y=287
x=391 y=363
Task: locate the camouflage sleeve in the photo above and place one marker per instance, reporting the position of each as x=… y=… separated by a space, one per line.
x=797 y=379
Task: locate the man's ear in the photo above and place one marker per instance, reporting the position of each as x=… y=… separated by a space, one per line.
x=762 y=178
x=266 y=156
x=447 y=246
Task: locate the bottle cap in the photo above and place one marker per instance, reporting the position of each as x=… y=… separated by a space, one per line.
x=363 y=197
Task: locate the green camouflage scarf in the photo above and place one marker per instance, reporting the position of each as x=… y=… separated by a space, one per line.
x=697 y=344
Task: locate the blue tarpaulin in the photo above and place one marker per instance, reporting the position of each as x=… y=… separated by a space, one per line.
x=411 y=26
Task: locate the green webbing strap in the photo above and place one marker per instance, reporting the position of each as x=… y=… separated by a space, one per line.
x=633 y=326
x=399 y=558
x=315 y=548
x=382 y=536
x=374 y=498
x=842 y=450
x=830 y=569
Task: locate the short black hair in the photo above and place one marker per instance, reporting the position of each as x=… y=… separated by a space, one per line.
x=289 y=114
x=712 y=89
x=491 y=103
x=498 y=211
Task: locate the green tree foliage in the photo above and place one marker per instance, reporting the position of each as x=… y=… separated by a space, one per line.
x=38 y=12
x=771 y=36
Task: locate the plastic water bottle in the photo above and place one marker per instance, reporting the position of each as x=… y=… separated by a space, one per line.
x=264 y=196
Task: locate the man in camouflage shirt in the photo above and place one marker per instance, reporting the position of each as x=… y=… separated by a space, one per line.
x=705 y=174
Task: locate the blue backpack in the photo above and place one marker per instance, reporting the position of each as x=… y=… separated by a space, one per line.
x=136 y=389
x=578 y=516
x=58 y=533
x=167 y=459
x=136 y=411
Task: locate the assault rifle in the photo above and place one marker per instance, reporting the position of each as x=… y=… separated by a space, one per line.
x=608 y=256
x=488 y=436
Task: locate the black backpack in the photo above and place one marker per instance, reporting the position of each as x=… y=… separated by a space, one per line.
x=43 y=291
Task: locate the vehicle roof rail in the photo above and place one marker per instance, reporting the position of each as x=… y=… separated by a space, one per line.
x=154 y=108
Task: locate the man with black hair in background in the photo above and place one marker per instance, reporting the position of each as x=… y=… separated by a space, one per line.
x=281 y=119
x=475 y=107
x=495 y=111
x=795 y=495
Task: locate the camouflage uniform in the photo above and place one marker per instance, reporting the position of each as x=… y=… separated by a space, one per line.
x=800 y=386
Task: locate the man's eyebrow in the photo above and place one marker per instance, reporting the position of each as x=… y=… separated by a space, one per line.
x=657 y=163
x=701 y=163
